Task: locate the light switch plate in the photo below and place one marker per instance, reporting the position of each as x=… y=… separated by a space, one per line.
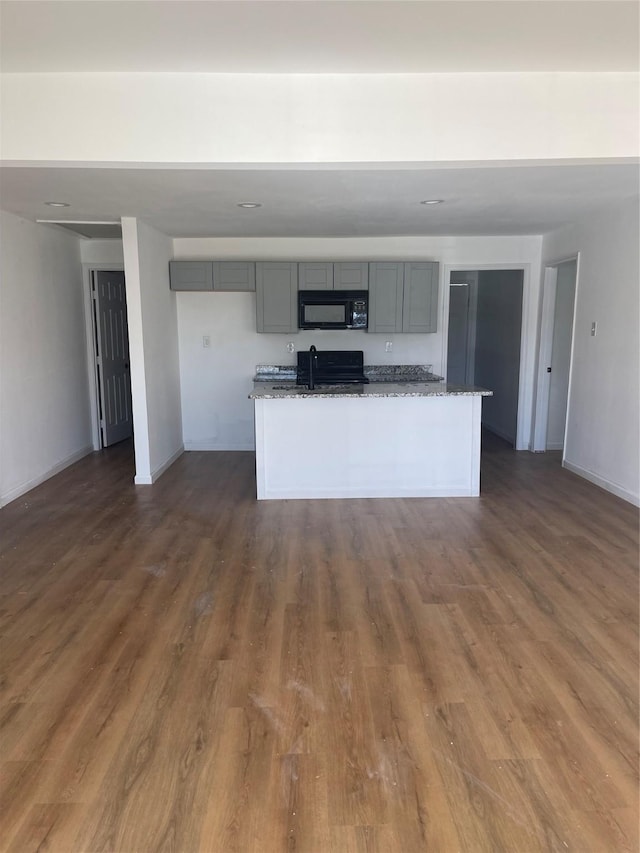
x=206 y=341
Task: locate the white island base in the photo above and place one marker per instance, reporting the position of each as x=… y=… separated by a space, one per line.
x=368 y=447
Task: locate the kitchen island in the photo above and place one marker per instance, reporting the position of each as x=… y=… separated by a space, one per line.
x=380 y=440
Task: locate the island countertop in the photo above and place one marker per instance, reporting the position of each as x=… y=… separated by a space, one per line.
x=404 y=433
x=288 y=390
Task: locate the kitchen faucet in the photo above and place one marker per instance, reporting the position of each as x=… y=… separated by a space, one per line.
x=313 y=360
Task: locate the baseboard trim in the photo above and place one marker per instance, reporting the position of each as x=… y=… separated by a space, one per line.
x=362 y=492
x=146 y=480
x=18 y=491
x=607 y=485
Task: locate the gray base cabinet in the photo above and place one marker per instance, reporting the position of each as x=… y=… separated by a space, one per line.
x=277 y=297
x=403 y=297
x=191 y=275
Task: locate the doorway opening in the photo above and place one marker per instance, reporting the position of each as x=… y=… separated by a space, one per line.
x=554 y=360
x=111 y=347
x=484 y=342
x=108 y=355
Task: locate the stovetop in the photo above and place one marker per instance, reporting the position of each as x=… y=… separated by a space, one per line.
x=332 y=367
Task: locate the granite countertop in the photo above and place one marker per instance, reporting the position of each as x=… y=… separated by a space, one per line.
x=282 y=390
x=273 y=382
x=373 y=372
x=275 y=372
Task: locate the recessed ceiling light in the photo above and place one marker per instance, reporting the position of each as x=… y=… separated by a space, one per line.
x=57 y=204
x=432 y=201
x=249 y=204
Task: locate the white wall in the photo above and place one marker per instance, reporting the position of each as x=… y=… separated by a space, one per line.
x=603 y=425
x=153 y=349
x=300 y=118
x=44 y=400
x=101 y=252
x=215 y=382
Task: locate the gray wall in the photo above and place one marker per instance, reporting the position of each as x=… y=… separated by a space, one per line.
x=461 y=340
x=497 y=350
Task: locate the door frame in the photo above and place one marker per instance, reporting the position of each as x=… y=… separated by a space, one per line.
x=543 y=382
x=525 y=343
x=92 y=377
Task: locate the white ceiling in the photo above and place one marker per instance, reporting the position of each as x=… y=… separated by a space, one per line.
x=324 y=37
x=272 y=36
x=337 y=202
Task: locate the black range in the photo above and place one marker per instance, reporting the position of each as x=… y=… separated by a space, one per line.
x=331 y=367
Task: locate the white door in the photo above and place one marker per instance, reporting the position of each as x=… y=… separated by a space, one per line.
x=561 y=354
x=554 y=357
x=112 y=356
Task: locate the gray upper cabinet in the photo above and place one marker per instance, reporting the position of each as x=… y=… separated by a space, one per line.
x=277 y=297
x=403 y=297
x=212 y=275
x=315 y=276
x=191 y=275
x=349 y=275
x=234 y=275
x=420 y=301
x=385 y=297
x=342 y=275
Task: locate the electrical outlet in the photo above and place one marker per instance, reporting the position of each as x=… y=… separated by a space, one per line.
x=388 y=346
x=291 y=347
x=206 y=341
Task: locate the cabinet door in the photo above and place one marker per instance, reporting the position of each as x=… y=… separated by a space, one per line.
x=191 y=275
x=350 y=276
x=315 y=276
x=234 y=275
x=276 y=297
x=420 y=304
x=385 y=297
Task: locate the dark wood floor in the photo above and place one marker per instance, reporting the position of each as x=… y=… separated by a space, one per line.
x=188 y=670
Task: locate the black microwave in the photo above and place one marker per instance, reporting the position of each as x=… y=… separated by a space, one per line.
x=333 y=309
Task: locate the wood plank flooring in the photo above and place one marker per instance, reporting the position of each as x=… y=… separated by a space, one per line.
x=188 y=670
